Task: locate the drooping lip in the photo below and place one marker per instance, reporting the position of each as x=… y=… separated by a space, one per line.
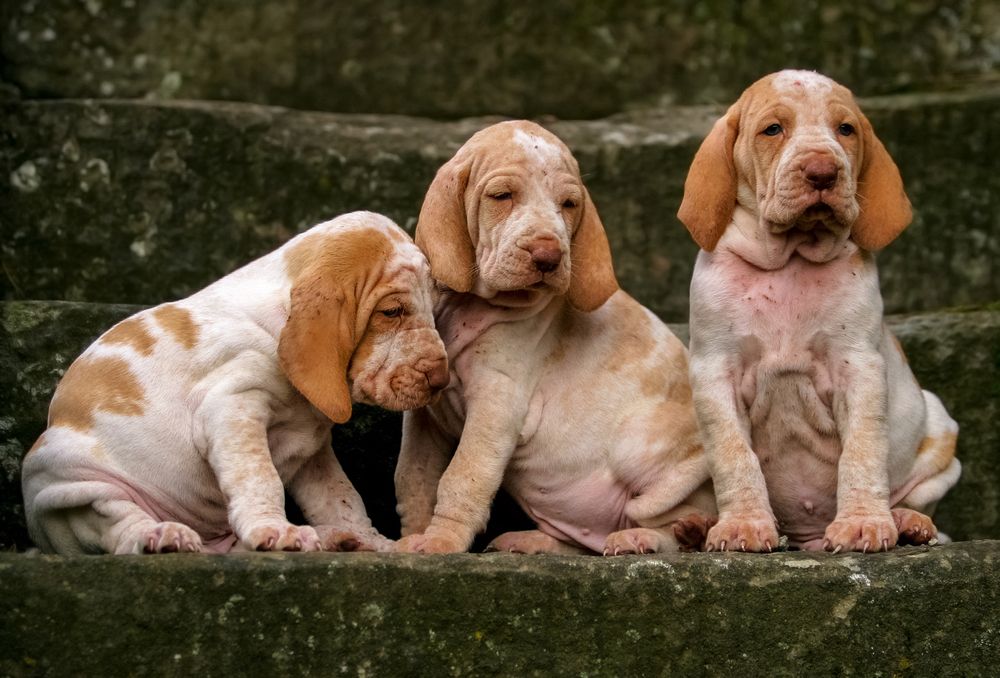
x=818 y=214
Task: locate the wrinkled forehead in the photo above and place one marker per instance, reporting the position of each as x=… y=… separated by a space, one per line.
x=806 y=94
x=522 y=145
x=407 y=269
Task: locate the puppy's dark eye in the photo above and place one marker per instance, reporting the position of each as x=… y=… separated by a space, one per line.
x=773 y=130
x=393 y=312
x=846 y=129
x=501 y=196
x=569 y=203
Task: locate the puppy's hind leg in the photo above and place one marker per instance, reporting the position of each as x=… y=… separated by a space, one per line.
x=935 y=471
x=129 y=529
x=103 y=525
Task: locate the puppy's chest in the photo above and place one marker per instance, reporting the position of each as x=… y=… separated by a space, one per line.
x=790 y=330
x=789 y=303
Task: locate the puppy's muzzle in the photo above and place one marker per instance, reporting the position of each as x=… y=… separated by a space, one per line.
x=436 y=373
x=546 y=254
x=820 y=171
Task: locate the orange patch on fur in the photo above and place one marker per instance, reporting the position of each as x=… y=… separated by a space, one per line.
x=38 y=443
x=131 y=332
x=179 y=323
x=94 y=385
x=334 y=275
x=941 y=449
x=342 y=254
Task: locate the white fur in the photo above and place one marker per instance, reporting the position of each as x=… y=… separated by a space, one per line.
x=222 y=431
x=812 y=420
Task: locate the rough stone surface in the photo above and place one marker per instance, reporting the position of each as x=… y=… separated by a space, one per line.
x=954 y=354
x=141 y=203
x=563 y=57
x=914 y=612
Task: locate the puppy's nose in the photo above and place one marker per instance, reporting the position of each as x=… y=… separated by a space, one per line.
x=821 y=172
x=437 y=375
x=545 y=254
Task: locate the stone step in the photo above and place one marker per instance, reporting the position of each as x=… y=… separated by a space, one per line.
x=139 y=202
x=955 y=354
x=912 y=612
x=563 y=57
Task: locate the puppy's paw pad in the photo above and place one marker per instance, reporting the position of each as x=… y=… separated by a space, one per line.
x=634 y=540
x=282 y=536
x=530 y=542
x=423 y=543
x=754 y=533
x=171 y=537
x=914 y=527
x=339 y=539
x=861 y=532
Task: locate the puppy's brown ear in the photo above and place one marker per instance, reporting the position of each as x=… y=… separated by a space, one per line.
x=318 y=340
x=885 y=209
x=333 y=280
x=443 y=230
x=592 y=273
x=710 y=187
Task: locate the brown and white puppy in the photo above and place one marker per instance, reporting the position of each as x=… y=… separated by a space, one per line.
x=813 y=422
x=179 y=427
x=563 y=387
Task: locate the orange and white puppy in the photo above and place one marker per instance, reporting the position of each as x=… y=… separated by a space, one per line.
x=563 y=387
x=179 y=427
x=813 y=422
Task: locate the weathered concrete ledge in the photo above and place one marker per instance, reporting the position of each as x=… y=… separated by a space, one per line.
x=561 y=57
x=913 y=612
x=139 y=203
x=954 y=354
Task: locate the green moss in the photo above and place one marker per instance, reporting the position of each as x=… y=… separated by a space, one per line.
x=175 y=214
x=367 y=614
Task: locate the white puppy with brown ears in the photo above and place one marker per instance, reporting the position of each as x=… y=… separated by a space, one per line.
x=813 y=422
x=179 y=428
x=564 y=389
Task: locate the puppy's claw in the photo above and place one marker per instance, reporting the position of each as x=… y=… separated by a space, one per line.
x=743 y=545
x=722 y=545
x=885 y=545
x=837 y=550
x=767 y=545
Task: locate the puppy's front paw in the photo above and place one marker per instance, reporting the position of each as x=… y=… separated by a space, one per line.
x=914 y=527
x=743 y=532
x=334 y=539
x=861 y=532
x=170 y=538
x=532 y=542
x=282 y=536
x=425 y=543
x=639 y=540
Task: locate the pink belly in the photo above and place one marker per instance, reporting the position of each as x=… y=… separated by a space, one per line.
x=583 y=511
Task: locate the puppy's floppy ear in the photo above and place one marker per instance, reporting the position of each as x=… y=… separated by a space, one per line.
x=885 y=209
x=710 y=187
x=317 y=342
x=592 y=273
x=442 y=229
